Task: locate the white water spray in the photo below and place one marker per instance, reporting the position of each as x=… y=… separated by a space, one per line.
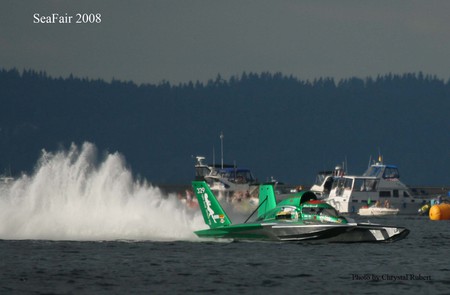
x=72 y=197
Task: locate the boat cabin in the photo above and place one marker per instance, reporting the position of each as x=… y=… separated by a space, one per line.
x=202 y=170
x=227 y=172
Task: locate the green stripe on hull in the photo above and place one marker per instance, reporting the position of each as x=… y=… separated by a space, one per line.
x=238 y=231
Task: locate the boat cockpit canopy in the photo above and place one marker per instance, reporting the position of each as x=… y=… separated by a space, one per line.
x=331 y=212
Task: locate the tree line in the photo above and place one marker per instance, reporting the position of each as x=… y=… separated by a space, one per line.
x=272 y=122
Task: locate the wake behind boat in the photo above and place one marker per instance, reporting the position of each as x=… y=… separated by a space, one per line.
x=301 y=217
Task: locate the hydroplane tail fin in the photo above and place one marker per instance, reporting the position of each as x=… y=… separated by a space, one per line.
x=267 y=200
x=212 y=212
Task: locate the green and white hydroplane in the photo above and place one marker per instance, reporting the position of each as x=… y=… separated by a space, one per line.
x=297 y=218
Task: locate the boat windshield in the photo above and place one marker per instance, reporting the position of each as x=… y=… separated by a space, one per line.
x=237 y=175
x=330 y=212
x=387 y=172
x=373 y=171
x=365 y=185
x=343 y=183
x=391 y=172
x=320 y=178
x=202 y=171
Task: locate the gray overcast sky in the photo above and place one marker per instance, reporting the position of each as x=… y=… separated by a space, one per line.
x=179 y=41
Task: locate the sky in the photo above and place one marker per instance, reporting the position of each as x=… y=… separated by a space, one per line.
x=182 y=41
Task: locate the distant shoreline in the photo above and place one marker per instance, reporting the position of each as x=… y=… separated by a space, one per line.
x=425 y=192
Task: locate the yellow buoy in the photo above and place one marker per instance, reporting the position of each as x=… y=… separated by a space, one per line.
x=440 y=212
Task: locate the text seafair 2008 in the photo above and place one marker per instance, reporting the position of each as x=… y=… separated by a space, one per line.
x=65 y=18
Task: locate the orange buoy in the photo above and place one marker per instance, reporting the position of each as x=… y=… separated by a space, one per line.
x=440 y=212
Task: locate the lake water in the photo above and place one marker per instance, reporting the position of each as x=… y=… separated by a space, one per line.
x=416 y=264
x=80 y=225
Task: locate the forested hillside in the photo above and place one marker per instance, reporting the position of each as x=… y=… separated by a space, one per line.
x=274 y=124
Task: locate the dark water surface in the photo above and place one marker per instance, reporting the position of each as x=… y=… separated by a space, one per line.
x=417 y=264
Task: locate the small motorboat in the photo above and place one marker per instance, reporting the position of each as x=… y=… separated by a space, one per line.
x=377 y=211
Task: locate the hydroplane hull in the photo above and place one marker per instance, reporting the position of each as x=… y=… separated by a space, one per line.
x=345 y=233
x=273 y=232
x=299 y=218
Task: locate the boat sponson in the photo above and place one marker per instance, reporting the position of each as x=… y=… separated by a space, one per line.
x=371 y=233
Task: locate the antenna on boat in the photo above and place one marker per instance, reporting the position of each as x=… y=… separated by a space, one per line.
x=221 y=147
x=346 y=166
x=214 y=158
